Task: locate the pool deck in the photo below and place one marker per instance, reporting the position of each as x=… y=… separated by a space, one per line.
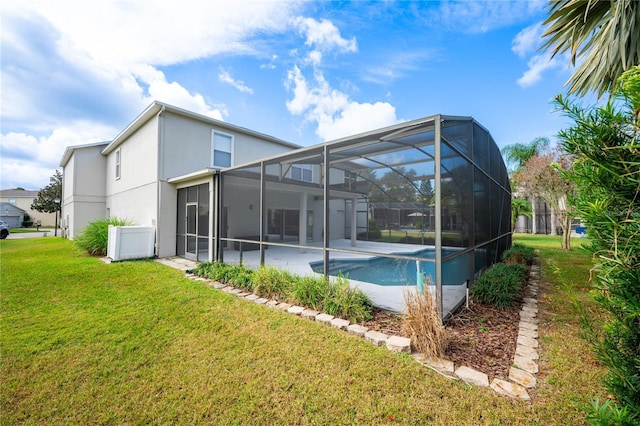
x=299 y=261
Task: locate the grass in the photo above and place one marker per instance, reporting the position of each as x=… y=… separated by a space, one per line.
x=136 y=343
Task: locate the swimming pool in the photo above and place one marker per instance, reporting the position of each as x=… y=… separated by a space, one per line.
x=387 y=271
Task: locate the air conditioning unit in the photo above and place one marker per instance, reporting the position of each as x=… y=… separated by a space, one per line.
x=130 y=242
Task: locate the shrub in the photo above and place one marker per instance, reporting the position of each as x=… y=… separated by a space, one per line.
x=344 y=301
x=310 y=292
x=241 y=277
x=272 y=283
x=519 y=253
x=500 y=285
x=237 y=275
x=605 y=142
x=423 y=325
x=333 y=297
x=26 y=221
x=94 y=237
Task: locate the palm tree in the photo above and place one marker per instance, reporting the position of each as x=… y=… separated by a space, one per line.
x=604 y=36
x=518 y=154
x=519 y=207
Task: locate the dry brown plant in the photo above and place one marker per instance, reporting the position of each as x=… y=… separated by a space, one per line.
x=423 y=325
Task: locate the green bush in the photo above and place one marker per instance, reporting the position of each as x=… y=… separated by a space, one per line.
x=310 y=292
x=94 y=237
x=346 y=302
x=241 y=277
x=519 y=253
x=605 y=143
x=334 y=297
x=236 y=275
x=272 y=283
x=501 y=285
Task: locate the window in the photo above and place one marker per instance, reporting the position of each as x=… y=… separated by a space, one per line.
x=222 y=150
x=301 y=172
x=118 y=163
x=12 y=200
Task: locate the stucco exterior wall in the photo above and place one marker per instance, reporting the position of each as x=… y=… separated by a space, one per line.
x=83 y=189
x=134 y=195
x=187 y=145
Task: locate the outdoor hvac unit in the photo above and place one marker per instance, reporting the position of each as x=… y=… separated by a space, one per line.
x=130 y=242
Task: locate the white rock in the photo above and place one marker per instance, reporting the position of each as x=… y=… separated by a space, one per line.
x=296 y=310
x=357 y=330
x=526 y=364
x=523 y=378
x=340 y=323
x=472 y=376
x=376 y=337
x=399 y=344
x=513 y=390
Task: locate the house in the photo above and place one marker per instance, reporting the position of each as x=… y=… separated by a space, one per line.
x=23 y=199
x=166 y=156
x=215 y=191
x=12 y=215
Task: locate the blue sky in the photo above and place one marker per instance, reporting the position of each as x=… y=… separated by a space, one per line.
x=303 y=71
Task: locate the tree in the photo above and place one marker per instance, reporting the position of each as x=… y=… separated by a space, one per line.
x=45 y=201
x=395 y=186
x=603 y=36
x=605 y=142
x=518 y=154
x=542 y=176
x=519 y=207
x=426 y=191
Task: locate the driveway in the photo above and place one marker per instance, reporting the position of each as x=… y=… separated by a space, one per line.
x=38 y=234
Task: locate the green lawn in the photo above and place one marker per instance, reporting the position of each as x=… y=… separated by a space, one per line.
x=137 y=343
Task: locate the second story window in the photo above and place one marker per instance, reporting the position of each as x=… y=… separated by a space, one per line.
x=222 y=150
x=301 y=172
x=118 y=163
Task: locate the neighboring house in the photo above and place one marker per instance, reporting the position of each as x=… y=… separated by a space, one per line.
x=23 y=199
x=139 y=174
x=12 y=215
x=543 y=221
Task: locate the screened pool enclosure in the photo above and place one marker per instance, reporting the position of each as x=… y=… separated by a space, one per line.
x=423 y=205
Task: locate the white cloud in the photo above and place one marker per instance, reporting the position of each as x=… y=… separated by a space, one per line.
x=528 y=40
x=332 y=111
x=537 y=65
x=525 y=44
x=29 y=161
x=160 y=32
x=324 y=36
x=225 y=77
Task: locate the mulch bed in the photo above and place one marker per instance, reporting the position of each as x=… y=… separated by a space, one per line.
x=481 y=337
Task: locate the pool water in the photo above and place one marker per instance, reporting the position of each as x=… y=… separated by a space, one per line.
x=387 y=271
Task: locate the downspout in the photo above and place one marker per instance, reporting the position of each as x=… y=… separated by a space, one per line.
x=160 y=163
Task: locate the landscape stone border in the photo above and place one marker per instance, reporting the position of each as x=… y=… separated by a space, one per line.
x=521 y=374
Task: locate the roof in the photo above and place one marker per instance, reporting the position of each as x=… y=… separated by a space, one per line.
x=6 y=207
x=158 y=107
x=68 y=152
x=18 y=193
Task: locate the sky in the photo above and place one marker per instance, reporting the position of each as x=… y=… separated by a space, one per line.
x=78 y=72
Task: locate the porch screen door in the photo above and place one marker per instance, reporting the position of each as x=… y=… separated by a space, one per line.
x=191 y=219
x=192 y=237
